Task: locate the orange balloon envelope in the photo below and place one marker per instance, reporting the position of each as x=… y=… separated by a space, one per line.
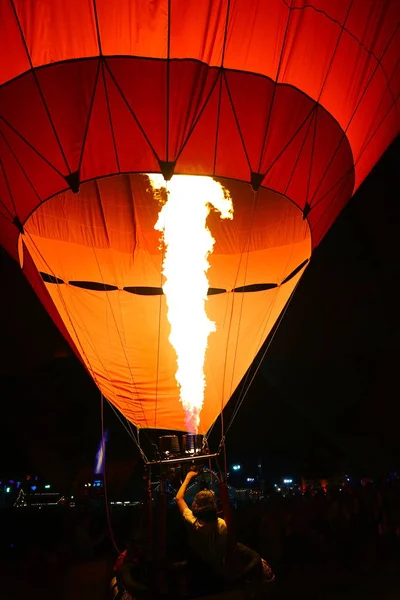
x=287 y=103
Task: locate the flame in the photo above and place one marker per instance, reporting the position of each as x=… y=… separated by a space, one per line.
x=182 y=220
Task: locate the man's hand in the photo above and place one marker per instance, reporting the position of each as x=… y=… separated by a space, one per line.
x=180 y=497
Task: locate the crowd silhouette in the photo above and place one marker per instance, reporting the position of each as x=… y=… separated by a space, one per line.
x=311 y=538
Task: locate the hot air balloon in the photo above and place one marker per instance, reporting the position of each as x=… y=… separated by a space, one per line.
x=283 y=105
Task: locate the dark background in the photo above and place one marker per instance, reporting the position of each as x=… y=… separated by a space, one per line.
x=325 y=399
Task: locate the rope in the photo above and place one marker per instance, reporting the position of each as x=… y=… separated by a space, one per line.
x=262 y=357
x=104 y=477
x=245 y=379
x=246 y=243
x=128 y=428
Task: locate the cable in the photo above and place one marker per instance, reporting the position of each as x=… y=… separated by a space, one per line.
x=128 y=430
x=262 y=358
x=105 y=478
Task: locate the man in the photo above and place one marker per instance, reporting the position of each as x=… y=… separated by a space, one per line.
x=207 y=534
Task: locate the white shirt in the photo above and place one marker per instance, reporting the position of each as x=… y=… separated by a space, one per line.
x=207 y=540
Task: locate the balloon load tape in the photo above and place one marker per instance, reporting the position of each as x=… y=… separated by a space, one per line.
x=175 y=457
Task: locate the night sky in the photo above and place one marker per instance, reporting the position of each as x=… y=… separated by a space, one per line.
x=325 y=398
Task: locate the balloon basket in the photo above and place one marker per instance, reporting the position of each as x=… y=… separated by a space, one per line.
x=167 y=474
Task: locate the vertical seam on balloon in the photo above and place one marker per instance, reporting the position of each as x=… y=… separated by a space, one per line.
x=220 y=86
x=110 y=116
x=20 y=165
x=275 y=87
x=344 y=135
x=35 y=150
x=46 y=108
x=8 y=185
x=96 y=20
x=96 y=81
x=228 y=10
x=335 y=50
x=130 y=109
x=132 y=213
x=237 y=120
x=311 y=117
x=159 y=328
x=255 y=198
x=217 y=124
x=315 y=116
x=101 y=209
x=167 y=107
x=197 y=119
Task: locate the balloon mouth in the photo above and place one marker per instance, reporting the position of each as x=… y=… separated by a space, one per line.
x=100 y=260
x=68 y=231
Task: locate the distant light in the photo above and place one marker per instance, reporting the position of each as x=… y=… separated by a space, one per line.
x=288 y=481
x=278 y=489
x=236 y=467
x=33 y=488
x=259 y=466
x=250 y=479
x=18 y=484
x=47 y=486
x=72 y=497
x=8 y=490
x=347 y=478
x=11 y=481
x=275 y=485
